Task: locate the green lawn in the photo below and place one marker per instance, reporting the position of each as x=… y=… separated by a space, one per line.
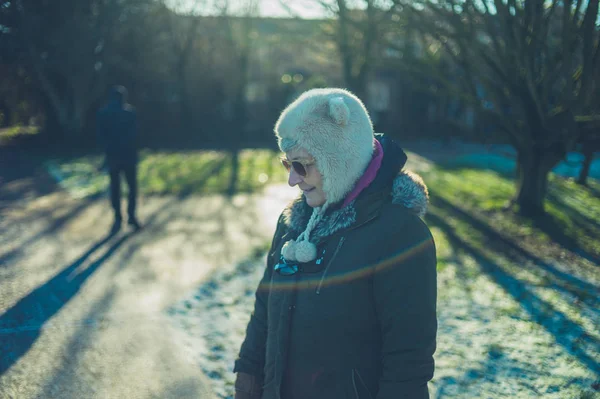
x=175 y=173
x=573 y=211
x=9 y=134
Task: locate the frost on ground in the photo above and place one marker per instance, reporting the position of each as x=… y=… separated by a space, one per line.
x=215 y=318
x=492 y=346
x=489 y=344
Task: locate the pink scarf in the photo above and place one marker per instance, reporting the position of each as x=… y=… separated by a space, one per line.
x=369 y=175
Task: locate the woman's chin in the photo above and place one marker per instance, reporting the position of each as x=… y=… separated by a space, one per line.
x=313 y=202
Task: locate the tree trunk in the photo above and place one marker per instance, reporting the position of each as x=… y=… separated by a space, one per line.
x=6 y=115
x=181 y=70
x=235 y=172
x=64 y=118
x=585 y=168
x=344 y=45
x=240 y=119
x=532 y=182
x=70 y=120
x=54 y=127
x=359 y=85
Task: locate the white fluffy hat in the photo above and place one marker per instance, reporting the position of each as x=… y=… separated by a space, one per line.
x=334 y=126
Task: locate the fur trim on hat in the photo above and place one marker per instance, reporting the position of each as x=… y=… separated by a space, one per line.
x=334 y=126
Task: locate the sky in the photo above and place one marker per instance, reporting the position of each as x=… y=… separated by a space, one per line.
x=303 y=9
x=267 y=8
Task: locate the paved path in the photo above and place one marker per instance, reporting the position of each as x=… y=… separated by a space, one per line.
x=83 y=315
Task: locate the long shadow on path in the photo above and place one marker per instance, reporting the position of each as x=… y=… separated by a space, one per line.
x=512 y=250
x=54 y=226
x=21 y=325
x=541 y=312
x=82 y=337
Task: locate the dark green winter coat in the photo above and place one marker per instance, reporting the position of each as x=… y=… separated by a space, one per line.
x=360 y=321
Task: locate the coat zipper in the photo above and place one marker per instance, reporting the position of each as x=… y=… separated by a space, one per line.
x=329 y=264
x=355 y=371
x=354 y=385
x=337 y=250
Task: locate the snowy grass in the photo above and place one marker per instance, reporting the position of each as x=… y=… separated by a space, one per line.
x=518 y=299
x=215 y=319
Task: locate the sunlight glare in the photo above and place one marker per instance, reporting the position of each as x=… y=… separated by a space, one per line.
x=263 y=178
x=306 y=9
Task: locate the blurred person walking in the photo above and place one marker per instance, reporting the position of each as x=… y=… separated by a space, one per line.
x=116 y=126
x=347 y=304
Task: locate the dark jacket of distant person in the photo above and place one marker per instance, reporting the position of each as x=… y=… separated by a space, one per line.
x=116 y=126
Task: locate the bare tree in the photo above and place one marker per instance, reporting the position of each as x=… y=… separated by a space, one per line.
x=359 y=28
x=184 y=39
x=240 y=41
x=530 y=66
x=590 y=145
x=70 y=48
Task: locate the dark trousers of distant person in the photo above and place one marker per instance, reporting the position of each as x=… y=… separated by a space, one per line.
x=128 y=169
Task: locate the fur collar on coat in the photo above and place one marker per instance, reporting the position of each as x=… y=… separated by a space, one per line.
x=408 y=190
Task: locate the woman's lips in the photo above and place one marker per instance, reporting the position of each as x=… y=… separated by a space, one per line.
x=308 y=190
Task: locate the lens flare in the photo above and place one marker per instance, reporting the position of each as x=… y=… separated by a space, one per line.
x=332 y=278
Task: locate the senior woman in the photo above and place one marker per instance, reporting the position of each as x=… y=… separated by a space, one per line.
x=347 y=304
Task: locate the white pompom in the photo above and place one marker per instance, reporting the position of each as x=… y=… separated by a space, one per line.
x=306 y=251
x=339 y=111
x=289 y=250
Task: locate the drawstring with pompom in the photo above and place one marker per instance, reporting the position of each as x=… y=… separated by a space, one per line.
x=302 y=250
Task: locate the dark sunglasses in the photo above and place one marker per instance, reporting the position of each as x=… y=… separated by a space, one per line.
x=298 y=166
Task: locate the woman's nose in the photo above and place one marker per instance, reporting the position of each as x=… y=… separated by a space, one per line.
x=294 y=178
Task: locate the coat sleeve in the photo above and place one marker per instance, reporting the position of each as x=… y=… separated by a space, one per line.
x=405 y=291
x=251 y=359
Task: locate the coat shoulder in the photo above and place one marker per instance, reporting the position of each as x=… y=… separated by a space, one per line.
x=410 y=191
x=396 y=222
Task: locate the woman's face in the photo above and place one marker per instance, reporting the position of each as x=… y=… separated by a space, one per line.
x=311 y=184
